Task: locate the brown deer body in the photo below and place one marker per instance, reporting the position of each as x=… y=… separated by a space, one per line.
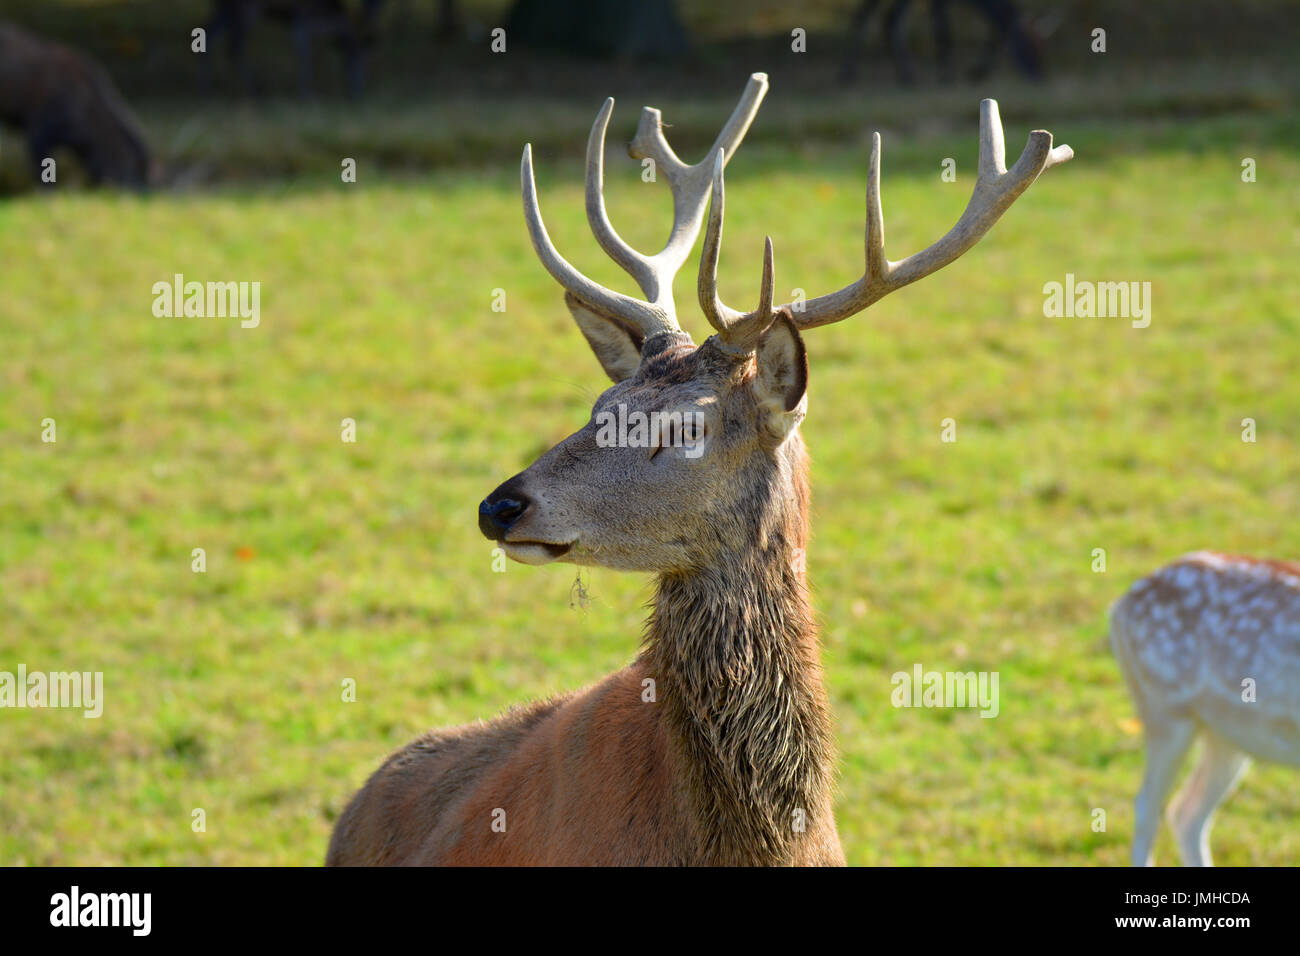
x=63 y=99
x=350 y=26
x=715 y=745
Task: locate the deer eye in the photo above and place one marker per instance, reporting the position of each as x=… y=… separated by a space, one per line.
x=678 y=433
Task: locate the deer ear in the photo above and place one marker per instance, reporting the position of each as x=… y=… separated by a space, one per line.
x=617 y=346
x=781 y=383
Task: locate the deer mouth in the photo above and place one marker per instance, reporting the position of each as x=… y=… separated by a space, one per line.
x=535 y=552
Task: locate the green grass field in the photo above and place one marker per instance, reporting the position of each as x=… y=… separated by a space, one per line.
x=329 y=561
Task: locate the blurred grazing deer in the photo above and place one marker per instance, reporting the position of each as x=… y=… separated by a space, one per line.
x=1188 y=638
x=63 y=99
x=714 y=746
x=1006 y=28
x=351 y=30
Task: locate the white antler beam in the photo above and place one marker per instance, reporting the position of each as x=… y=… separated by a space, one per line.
x=996 y=188
x=648 y=317
x=690 y=188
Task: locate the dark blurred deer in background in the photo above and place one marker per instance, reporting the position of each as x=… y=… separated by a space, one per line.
x=351 y=28
x=1006 y=28
x=62 y=99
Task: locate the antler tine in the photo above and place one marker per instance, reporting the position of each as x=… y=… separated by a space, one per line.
x=690 y=184
x=634 y=263
x=739 y=331
x=690 y=187
x=649 y=317
x=996 y=188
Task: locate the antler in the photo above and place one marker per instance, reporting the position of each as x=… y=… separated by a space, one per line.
x=690 y=186
x=738 y=330
x=996 y=188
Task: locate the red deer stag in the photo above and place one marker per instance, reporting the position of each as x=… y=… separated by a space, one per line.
x=714 y=746
x=1210 y=647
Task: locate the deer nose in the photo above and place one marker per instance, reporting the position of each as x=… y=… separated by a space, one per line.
x=499 y=511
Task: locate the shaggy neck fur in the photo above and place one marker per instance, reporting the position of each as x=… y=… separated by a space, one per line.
x=736 y=650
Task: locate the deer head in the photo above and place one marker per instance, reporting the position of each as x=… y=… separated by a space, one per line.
x=695 y=451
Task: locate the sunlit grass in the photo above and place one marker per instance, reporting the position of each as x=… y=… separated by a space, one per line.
x=328 y=561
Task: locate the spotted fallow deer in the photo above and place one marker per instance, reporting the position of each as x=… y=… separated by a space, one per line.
x=1210 y=648
x=714 y=746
